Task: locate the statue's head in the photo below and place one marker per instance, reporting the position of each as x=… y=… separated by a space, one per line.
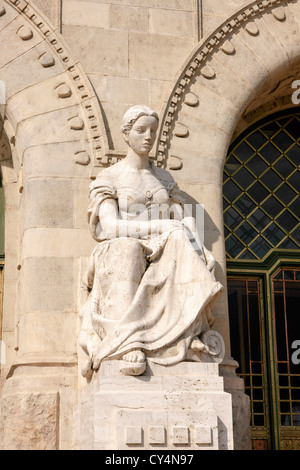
x=133 y=114
x=139 y=128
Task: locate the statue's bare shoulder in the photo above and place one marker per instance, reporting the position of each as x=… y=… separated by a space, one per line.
x=113 y=173
x=163 y=176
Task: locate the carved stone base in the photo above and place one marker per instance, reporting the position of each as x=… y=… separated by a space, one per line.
x=178 y=407
x=240 y=404
x=36 y=406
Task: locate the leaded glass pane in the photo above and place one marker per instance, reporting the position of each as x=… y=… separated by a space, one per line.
x=271 y=179
x=295 y=207
x=270 y=153
x=285 y=193
x=278 y=286
x=246 y=233
x=274 y=234
x=245 y=205
x=257 y=165
x=286 y=318
x=231 y=218
x=287 y=221
x=244 y=178
x=243 y=151
x=272 y=207
x=257 y=139
x=288 y=244
x=225 y=204
x=234 y=246
x=231 y=165
x=293 y=128
x=284 y=167
x=231 y=190
x=294 y=180
x=263 y=189
x=258 y=192
x=259 y=219
x=294 y=154
x=282 y=140
x=247 y=255
x=288 y=275
x=270 y=128
x=279 y=275
x=296 y=235
x=260 y=247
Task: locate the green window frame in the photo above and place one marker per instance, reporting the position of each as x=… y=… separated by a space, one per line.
x=262 y=237
x=261 y=189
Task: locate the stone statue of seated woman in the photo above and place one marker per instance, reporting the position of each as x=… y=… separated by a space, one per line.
x=151 y=282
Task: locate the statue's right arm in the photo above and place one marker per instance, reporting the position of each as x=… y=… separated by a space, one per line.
x=114 y=227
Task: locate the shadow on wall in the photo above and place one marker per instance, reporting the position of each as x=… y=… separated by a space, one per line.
x=204 y=220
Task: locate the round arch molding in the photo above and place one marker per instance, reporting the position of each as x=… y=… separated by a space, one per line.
x=240 y=73
x=49 y=99
x=52 y=137
x=248 y=56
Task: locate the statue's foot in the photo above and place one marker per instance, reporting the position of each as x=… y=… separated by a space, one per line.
x=197 y=345
x=87 y=370
x=134 y=363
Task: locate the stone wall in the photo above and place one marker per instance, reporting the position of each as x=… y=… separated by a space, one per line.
x=207 y=70
x=130 y=50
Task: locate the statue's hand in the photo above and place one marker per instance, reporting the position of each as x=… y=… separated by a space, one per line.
x=166 y=225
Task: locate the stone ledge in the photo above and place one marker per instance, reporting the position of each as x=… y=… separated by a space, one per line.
x=110 y=368
x=178 y=407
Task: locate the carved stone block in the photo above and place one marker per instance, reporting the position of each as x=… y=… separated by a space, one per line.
x=133 y=435
x=151 y=412
x=29 y=421
x=157 y=435
x=180 y=435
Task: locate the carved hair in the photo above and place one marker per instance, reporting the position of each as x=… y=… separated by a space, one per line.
x=133 y=114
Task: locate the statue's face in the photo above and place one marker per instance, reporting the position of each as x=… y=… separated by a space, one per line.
x=142 y=135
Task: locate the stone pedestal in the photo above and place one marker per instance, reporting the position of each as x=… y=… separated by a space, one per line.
x=37 y=402
x=182 y=407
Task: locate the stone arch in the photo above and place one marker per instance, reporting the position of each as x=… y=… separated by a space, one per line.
x=37 y=63
x=239 y=73
x=52 y=137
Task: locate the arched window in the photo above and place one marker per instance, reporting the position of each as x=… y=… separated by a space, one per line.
x=262 y=236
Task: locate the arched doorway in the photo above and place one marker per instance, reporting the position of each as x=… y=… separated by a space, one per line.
x=262 y=236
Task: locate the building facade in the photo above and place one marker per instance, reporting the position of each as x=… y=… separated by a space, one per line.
x=224 y=81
